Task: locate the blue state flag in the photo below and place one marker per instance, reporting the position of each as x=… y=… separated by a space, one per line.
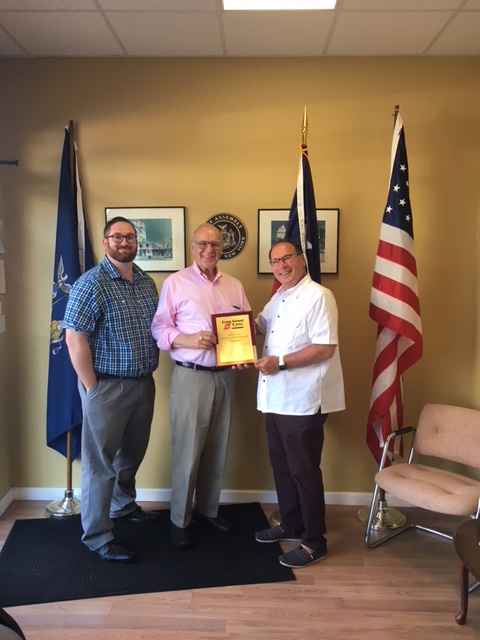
x=73 y=256
x=302 y=225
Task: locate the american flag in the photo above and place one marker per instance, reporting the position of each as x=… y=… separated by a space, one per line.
x=302 y=225
x=394 y=305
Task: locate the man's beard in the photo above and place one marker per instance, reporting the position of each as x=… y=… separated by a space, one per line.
x=122 y=256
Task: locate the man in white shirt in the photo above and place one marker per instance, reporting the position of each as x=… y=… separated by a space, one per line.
x=300 y=383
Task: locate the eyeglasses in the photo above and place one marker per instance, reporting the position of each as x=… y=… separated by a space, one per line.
x=285 y=259
x=118 y=238
x=202 y=244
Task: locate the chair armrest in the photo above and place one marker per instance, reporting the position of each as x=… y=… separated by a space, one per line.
x=394 y=434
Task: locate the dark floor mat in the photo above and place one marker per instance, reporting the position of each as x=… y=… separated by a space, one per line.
x=44 y=560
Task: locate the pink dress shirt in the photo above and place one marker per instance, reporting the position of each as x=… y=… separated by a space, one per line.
x=187 y=301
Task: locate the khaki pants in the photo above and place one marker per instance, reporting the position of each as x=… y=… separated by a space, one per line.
x=201 y=404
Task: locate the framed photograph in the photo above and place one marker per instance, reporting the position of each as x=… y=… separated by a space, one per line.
x=160 y=233
x=272 y=226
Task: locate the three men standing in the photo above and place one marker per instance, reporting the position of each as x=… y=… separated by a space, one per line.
x=111 y=317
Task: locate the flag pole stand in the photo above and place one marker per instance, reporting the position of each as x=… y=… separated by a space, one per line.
x=275 y=518
x=68 y=505
x=386 y=518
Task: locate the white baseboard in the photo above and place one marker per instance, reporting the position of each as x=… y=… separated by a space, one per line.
x=6 y=501
x=49 y=494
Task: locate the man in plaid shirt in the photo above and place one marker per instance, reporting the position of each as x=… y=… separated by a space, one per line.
x=107 y=322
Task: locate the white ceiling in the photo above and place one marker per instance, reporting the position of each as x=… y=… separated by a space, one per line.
x=200 y=28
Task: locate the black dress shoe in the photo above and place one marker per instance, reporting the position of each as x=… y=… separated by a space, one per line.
x=113 y=552
x=180 y=537
x=218 y=523
x=138 y=515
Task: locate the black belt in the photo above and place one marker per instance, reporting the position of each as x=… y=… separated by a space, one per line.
x=199 y=367
x=110 y=376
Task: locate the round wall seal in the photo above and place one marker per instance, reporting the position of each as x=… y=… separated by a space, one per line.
x=233 y=233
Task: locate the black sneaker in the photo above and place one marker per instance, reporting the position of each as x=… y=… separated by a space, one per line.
x=300 y=557
x=273 y=535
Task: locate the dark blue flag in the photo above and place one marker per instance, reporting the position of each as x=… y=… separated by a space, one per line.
x=73 y=256
x=302 y=225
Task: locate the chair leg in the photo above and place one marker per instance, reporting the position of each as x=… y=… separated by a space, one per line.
x=461 y=616
x=448 y=536
x=474 y=586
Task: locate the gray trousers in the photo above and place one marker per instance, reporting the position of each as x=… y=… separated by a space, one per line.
x=117 y=416
x=201 y=404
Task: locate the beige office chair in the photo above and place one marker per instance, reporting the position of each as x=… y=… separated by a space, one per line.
x=445 y=434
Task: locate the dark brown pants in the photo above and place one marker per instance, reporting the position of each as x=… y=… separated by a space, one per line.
x=295 y=446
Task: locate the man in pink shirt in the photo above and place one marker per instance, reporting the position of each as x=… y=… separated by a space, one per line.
x=201 y=394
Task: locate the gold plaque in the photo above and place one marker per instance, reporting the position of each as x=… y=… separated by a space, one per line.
x=235 y=333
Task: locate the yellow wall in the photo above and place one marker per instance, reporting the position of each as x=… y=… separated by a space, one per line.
x=221 y=135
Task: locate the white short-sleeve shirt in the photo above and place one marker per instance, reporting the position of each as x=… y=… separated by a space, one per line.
x=293 y=319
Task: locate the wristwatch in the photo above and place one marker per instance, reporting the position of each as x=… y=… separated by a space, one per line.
x=281 y=364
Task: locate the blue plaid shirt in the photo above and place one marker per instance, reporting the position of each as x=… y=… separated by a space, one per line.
x=116 y=315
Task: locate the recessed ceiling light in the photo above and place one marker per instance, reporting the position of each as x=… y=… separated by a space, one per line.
x=277 y=5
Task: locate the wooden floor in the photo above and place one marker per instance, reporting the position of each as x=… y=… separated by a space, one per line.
x=405 y=589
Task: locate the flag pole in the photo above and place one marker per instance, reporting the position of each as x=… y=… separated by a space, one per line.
x=385 y=518
x=304 y=128
x=68 y=505
x=276 y=518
